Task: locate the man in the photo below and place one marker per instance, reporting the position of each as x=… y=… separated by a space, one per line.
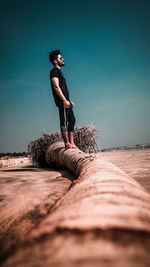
x=62 y=100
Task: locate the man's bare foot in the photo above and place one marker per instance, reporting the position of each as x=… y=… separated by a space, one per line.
x=68 y=146
x=73 y=145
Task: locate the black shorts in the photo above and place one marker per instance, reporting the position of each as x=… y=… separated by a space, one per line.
x=67 y=118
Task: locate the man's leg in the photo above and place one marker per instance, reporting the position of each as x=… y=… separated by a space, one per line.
x=71 y=123
x=71 y=139
x=63 y=115
x=66 y=139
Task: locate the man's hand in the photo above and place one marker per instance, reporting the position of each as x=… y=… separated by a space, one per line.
x=66 y=103
x=72 y=104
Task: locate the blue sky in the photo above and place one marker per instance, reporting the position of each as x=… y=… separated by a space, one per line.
x=106 y=48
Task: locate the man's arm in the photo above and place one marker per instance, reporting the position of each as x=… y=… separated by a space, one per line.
x=58 y=90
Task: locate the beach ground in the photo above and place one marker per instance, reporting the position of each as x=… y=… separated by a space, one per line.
x=136 y=163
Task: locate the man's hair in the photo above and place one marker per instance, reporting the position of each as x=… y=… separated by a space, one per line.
x=53 y=55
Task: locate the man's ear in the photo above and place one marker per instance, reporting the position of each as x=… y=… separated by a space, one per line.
x=55 y=61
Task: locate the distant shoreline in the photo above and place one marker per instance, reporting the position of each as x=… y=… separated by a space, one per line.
x=135 y=147
x=10 y=155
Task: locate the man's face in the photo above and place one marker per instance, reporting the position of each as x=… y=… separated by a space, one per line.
x=60 y=60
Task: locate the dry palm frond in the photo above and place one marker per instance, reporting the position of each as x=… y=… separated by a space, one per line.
x=84 y=137
x=37 y=148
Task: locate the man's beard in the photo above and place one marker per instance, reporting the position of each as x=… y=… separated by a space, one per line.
x=61 y=64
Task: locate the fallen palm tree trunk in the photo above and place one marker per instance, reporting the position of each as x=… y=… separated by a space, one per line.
x=84 y=137
x=104 y=219
x=105 y=197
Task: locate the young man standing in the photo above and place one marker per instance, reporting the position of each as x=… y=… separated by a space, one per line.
x=62 y=100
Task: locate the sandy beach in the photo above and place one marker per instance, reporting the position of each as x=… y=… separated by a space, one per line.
x=28 y=194
x=136 y=163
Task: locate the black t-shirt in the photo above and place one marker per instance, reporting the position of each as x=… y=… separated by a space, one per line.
x=55 y=72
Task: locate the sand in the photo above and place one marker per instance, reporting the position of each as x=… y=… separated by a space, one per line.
x=13 y=161
x=136 y=163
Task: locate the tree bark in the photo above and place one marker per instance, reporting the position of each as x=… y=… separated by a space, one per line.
x=106 y=197
x=103 y=220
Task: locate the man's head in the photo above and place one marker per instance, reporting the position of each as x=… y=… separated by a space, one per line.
x=56 y=58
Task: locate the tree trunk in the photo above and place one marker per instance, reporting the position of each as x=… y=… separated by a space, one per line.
x=106 y=197
x=103 y=220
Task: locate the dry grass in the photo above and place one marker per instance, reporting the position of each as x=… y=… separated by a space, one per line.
x=84 y=137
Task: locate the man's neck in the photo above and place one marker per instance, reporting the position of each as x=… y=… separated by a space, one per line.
x=57 y=66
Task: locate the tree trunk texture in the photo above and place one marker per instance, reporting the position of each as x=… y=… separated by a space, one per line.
x=103 y=220
x=105 y=197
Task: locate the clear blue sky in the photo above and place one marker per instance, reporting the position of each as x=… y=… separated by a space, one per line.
x=106 y=47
